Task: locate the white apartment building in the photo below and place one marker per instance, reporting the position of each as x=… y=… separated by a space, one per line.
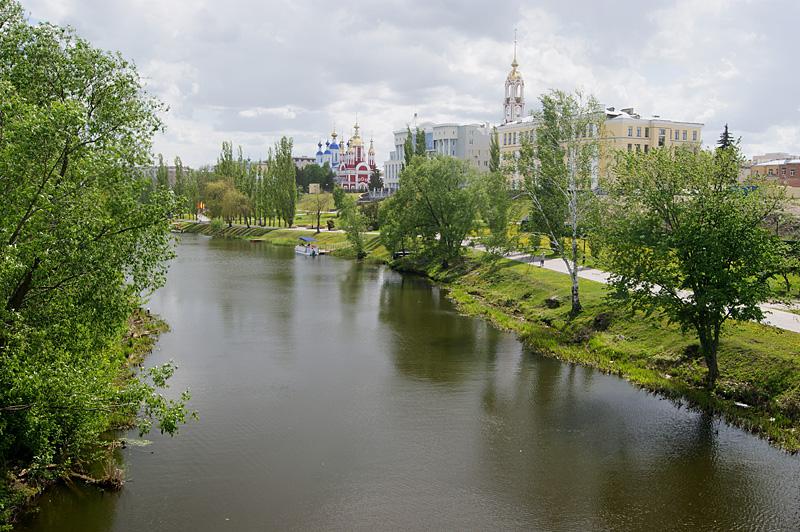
x=467 y=142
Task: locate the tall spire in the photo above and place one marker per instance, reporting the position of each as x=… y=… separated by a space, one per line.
x=514 y=62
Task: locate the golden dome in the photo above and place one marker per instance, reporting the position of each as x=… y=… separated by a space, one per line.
x=355 y=140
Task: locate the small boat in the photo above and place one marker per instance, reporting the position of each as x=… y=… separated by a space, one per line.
x=306 y=248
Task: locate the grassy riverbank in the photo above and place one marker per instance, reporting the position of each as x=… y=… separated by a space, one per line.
x=334 y=241
x=760 y=365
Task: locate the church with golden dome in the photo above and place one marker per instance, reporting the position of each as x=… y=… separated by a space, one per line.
x=356 y=163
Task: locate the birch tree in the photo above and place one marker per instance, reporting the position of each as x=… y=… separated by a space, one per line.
x=557 y=169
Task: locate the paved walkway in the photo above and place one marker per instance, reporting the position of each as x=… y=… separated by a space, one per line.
x=774 y=315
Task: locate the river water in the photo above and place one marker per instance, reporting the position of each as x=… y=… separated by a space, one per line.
x=337 y=395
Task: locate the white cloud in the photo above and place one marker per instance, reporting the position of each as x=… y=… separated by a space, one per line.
x=253 y=70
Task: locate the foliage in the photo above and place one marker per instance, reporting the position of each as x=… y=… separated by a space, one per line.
x=408 y=147
x=494 y=151
x=495 y=207
x=162 y=173
x=321 y=202
x=436 y=204
x=375 y=180
x=354 y=225
x=726 y=140
x=420 y=149
x=371 y=212
x=558 y=173
x=281 y=174
x=339 y=196
x=234 y=205
x=685 y=238
x=83 y=236
x=313 y=173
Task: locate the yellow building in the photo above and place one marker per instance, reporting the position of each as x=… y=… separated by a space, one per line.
x=622 y=129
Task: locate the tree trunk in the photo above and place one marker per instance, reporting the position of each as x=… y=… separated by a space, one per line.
x=576 y=301
x=709 y=342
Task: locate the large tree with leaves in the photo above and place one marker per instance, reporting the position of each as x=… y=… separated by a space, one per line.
x=83 y=236
x=683 y=237
x=282 y=173
x=558 y=171
x=435 y=206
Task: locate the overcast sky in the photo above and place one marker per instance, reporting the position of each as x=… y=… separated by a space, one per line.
x=250 y=71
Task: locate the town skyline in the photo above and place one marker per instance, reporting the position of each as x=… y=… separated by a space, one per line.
x=301 y=72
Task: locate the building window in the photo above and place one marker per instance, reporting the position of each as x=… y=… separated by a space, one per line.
x=630 y=131
x=647 y=132
x=684 y=134
x=646 y=148
x=770 y=171
x=791 y=172
x=677 y=133
x=630 y=147
x=783 y=171
x=694 y=135
x=505 y=138
x=662 y=139
x=638 y=132
x=514 y=138
x=662 y=131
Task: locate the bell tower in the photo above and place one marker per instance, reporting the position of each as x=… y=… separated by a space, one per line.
x=514 y=101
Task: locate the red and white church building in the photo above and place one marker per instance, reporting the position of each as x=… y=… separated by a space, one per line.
x=352 y=164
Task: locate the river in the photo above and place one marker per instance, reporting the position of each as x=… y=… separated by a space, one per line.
x=338 y=395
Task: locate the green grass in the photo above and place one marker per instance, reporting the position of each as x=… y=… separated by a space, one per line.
x=760 y=365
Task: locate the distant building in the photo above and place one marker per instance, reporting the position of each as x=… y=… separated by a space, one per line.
x=784 y=171
x=301 y=161
x=350 y=162
x=467 y=142
x=152 y=173
x=622 y=129
x=774 y=156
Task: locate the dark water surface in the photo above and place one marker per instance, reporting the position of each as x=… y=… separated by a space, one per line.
x=334 y=395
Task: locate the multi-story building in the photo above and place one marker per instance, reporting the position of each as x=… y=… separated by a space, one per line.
x=784 y=171
x=622 y=129
x=467 y=142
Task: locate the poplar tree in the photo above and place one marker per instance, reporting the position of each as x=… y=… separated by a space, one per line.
x=494 y=152
x=408 y=147
x=420 y=147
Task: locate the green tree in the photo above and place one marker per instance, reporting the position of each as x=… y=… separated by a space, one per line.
x=354 y=225
x=215 y=194
x=408 y=147
x=375 y=180
x=339 y=196
x=162 y=173
x=435 y=205
x=420 y=149
x=322 y=202
x=494 y=152
x=495 y=208
x=282 y=172
x=234 y=205
x=558 y=172
x=726 y=140
x=684 y=238
x=84 y=236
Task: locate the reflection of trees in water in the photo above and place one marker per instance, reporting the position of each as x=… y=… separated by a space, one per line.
x=429 y=340
x=685 y=483
x=579 y=454
x=351 y=288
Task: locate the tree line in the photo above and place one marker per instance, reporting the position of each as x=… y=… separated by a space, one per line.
x=676 y=228
x=83 y=235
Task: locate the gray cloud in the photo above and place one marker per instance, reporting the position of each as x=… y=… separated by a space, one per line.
x=250 y=71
